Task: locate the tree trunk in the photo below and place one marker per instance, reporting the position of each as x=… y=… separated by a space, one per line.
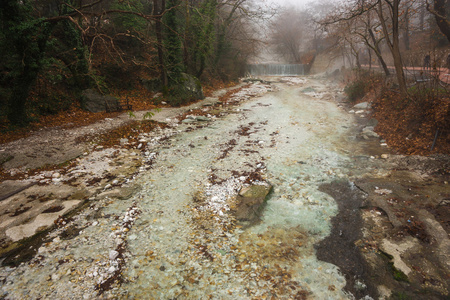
x=30 y=44
x=406 y=34
x=378 y=53
x=394 y=44
x=440 y=15
x=157 y=11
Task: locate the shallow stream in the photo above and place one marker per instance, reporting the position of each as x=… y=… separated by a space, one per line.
x=177 y=238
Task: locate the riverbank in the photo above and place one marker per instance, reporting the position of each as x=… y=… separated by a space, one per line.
x=157 y=210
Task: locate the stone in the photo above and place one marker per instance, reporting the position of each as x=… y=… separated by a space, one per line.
x=41 y=221
x=250 y=202
x=202 y=119
x=308 y=90
x=189 y=87
x=93 y=101
x=369 y=132
x=113 y=254
x=362 y=105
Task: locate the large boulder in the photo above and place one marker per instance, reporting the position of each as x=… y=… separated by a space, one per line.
x=187 y=89
x=250 y=203
x=192 y=86
x=93 y=101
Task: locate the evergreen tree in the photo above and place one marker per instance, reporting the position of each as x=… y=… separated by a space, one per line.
x=172 y=43
x=23 y=41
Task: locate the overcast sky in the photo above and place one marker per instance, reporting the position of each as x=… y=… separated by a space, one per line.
x=298 y=3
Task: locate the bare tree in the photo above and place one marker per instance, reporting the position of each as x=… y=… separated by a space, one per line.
x=390 y=25
x=287 y=33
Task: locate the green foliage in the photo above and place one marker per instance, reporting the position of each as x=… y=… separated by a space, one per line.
x=178 y=95
x=398 y=274
x=129 y=22
x=52 y=103
x=24 y=41
x=148 y=115
x=172 y=42
x=131 y=114
x=356 y=90
x=364 y=82
x=202 y=29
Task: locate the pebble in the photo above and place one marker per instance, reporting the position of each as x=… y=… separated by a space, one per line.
x=384 y=156
x=56 y=175
x=113 y=254
x=55 y=277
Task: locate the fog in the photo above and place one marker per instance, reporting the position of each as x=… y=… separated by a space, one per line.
x=297 y=3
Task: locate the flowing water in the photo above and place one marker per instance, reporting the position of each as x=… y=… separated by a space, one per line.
x=177 y=238
x=275 y=70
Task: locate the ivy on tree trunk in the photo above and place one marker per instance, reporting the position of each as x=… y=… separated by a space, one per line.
x=26 y=38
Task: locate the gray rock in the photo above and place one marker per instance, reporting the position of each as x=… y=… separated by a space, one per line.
x=308 y=90
x=250 y=202
x=113 y=254
x=362 y=105
x=191 y=87
x=202 y=119
x=95 y=102
x=188 y=121
x=369 y=132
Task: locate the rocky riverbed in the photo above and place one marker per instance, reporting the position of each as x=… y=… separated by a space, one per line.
x=280 y=190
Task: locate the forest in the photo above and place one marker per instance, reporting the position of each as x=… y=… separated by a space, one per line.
x=53 y=50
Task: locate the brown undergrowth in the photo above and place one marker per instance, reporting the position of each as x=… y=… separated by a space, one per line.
x=417 y=125
x=74 y=116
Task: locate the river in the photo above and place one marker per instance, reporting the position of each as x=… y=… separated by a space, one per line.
x=177 y=238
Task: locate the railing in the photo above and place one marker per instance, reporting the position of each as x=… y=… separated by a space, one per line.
x=275 y=70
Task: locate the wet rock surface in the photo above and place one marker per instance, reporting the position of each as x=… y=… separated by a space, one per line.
x=183 y=211
x=250 y=203
x=339 y=247
x=406 y=227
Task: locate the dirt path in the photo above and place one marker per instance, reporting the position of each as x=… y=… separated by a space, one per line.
x=162 y=216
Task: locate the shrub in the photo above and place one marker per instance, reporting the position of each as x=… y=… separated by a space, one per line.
x=356 y=90
x=362 y=83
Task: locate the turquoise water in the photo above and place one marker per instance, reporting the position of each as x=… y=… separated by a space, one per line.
x=177 y=239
